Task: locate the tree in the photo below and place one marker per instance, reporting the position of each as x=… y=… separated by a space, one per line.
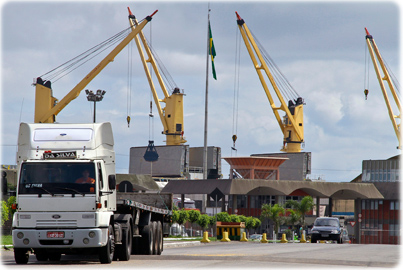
x=250 y=222
x=234 y=218
x=302 y=207
x=242 y=218
x=183 y=217
x=203 y=221
x=273 y=212
x=293 y=218
x=194 y=216
x=223 y=217
x=4 y=212
x=175 y=216
x=258 y=222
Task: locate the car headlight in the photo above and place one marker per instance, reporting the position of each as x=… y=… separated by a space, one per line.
x=314 y=231
x=335 y=231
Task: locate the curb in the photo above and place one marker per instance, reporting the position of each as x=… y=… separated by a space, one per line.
x=169 y=244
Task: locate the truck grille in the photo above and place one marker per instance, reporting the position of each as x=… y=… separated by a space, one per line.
x=56 y=223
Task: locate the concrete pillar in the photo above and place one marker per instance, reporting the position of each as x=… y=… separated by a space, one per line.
x=357 y=226
x=234 y=203
x=183 y=200
x=317 y=206
x=330 y=206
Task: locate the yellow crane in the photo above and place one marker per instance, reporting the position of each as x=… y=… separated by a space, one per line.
x=47 y=106
x=172 y=114
x=377 y=58
x=292 y=124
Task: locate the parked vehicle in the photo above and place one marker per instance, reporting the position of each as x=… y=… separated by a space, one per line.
x=327 y=228
x=255 y=237
x=67 y=202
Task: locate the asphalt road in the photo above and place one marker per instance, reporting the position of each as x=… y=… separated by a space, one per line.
x=238 y=255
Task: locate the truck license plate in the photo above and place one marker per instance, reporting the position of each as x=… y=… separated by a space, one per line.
x=55 y=235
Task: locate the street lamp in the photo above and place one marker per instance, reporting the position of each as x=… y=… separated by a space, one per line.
x=95 y=97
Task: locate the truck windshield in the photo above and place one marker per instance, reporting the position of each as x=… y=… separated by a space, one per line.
x=57 y=178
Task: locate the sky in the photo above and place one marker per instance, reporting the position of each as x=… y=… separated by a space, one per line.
x=319 y=46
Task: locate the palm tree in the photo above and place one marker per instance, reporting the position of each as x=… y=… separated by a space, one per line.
x=273 y=212
x=302 y=207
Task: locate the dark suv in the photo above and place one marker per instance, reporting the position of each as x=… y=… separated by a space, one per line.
x=327 y=228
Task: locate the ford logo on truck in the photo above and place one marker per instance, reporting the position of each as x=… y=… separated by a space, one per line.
x=56 y=216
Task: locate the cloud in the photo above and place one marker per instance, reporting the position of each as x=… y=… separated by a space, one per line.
x=320 y=48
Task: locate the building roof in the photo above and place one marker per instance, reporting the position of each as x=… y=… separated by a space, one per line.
x=255 y=167
x=272 y=187
x=389 y=190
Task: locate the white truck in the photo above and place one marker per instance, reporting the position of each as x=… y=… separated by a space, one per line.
x=67 y=201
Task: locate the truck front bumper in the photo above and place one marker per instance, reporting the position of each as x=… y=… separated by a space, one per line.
x=60 y=238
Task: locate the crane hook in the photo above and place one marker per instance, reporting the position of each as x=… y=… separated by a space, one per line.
x=366 y=93
x=128 y=121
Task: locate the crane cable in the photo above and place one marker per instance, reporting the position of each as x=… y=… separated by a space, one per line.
x=129 y=81
x=150 y=116
x=366 y=72
x=283 y=84
x=76 y=62
x=236 y=91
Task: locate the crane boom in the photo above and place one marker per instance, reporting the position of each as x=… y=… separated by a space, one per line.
x=292 y=124
x=46 y=107
x=172 y=114
x=374 y=52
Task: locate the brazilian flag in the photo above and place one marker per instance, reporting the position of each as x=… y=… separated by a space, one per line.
x=212 y=51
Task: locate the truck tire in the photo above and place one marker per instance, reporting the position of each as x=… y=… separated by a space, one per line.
x=106 y=253
x=147 y=239
x=313 y=239
x=21 y=255
x=155 y=240
x=160 y=239
x=41 y=255
x=125 y=249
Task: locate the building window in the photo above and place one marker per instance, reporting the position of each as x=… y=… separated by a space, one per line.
x=392 y=205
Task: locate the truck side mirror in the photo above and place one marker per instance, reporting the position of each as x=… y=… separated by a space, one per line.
x=112 y=182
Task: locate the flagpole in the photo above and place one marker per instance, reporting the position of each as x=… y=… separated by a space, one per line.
x=206 y=99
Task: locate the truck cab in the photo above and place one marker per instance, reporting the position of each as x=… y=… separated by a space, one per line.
x=66 y=194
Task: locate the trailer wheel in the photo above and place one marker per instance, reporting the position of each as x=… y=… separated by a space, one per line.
x=125 y=249
x=147 y=239
x=160 y=239
x=156 y=239
x=21 y=255
x=106 y=253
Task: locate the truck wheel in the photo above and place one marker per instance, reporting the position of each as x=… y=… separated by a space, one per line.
x=160 y=239
x=41 y=255
x=147 y=240
x=155 y=240
x=106 y=253
x=125 y=249
x=21 y=255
